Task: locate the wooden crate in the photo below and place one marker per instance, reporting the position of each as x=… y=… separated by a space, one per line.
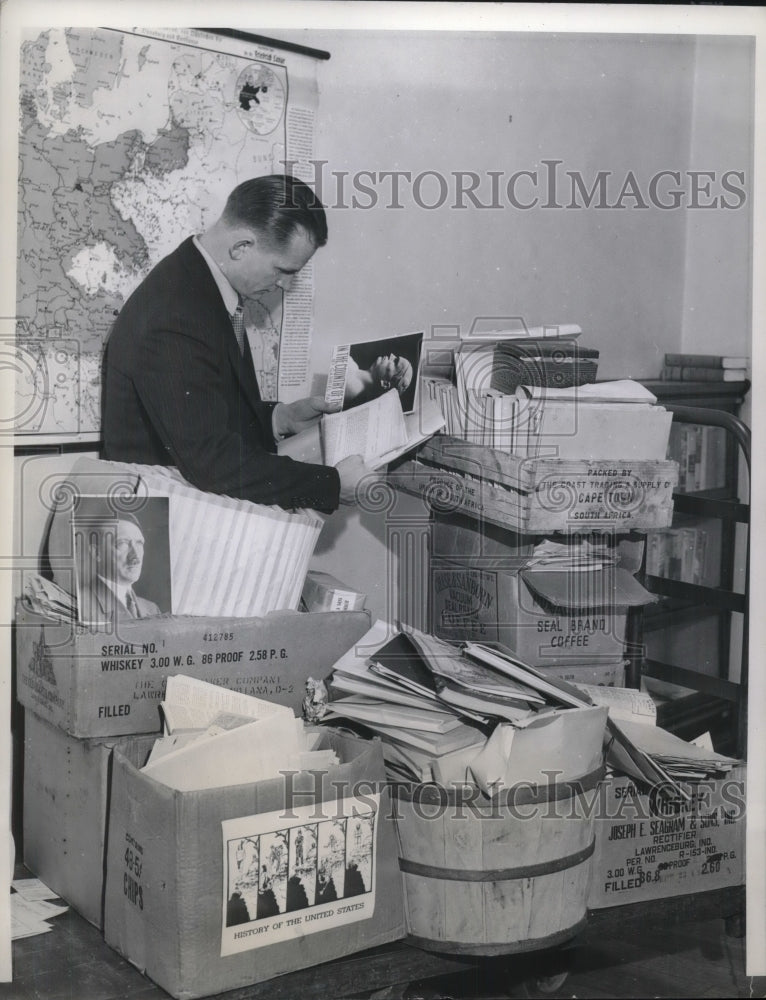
x=540 y=494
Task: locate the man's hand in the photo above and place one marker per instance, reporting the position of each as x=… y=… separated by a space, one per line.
x=290 y=418
x=352 y=471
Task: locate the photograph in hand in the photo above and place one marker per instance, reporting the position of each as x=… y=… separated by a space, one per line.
x=364 y=371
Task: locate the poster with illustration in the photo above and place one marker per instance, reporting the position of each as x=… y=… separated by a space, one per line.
x=285 y=878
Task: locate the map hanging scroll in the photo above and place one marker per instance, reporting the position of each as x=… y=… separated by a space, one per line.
x=129 y=142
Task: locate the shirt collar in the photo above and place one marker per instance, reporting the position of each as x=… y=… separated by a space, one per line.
x=228 y=294
x=120 y=592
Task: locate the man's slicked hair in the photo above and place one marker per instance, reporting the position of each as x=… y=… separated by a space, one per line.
x=276 y=206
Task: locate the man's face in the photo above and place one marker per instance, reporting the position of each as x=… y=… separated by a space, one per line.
x=258 y=267
x=123 y=554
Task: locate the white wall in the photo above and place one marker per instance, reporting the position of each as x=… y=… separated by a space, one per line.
x=640 y=281
x=418 y=102
x=717 y=279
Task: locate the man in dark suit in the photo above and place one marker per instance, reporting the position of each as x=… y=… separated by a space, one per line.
x=180 y=388
x=116 y=558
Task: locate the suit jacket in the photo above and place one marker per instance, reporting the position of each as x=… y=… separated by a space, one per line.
x=177 y=392
x=97 y=603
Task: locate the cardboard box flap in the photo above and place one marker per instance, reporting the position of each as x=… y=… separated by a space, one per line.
x=604 y=589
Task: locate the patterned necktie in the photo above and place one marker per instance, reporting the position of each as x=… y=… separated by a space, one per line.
x=132 y=604
x=238 y=322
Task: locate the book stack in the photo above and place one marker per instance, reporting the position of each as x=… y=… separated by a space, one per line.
x=704 y=368
x=554 y=363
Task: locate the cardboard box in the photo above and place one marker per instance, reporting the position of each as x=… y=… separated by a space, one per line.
x=205 y=891
x=66 y=791
x=457 y=537
x=324 y=592
x=109 y=681
x=648 y=847
x=491 y=603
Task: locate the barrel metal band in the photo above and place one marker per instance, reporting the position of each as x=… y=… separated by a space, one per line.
x=498 y=874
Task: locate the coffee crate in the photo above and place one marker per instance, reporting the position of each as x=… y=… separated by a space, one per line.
x=649 y=846
x=66 y=791
x=492 y=603
x=217 y=889
x=539 y=495
x=109 y=681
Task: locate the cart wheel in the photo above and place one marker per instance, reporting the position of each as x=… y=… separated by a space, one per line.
x=544 y=986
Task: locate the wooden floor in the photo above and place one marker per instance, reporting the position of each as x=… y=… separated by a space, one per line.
x=650 y=955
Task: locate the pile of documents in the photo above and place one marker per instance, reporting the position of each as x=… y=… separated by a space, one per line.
x=681 y=760
x=474 y=712
x=214 y=738
x=44 y=597
x=435 y=705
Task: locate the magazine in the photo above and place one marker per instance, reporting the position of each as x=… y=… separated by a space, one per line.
x=362 y=372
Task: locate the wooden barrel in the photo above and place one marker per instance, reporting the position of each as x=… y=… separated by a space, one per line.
x=496 y=876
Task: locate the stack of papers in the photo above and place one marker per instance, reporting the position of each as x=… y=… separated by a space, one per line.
x=624 y=390
x=623 y=704
x=681 y=760
x=517 y=330
x=594 y=421
x=578 y=554
x=31 y=908
x=475 y=712
x=215 y=738
x=433 y=704
x=623 y=753
x=395 y=697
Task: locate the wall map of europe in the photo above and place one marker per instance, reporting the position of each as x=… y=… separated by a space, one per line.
x=129 y=143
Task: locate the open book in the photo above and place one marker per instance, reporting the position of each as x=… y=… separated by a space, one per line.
x=379 y=431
